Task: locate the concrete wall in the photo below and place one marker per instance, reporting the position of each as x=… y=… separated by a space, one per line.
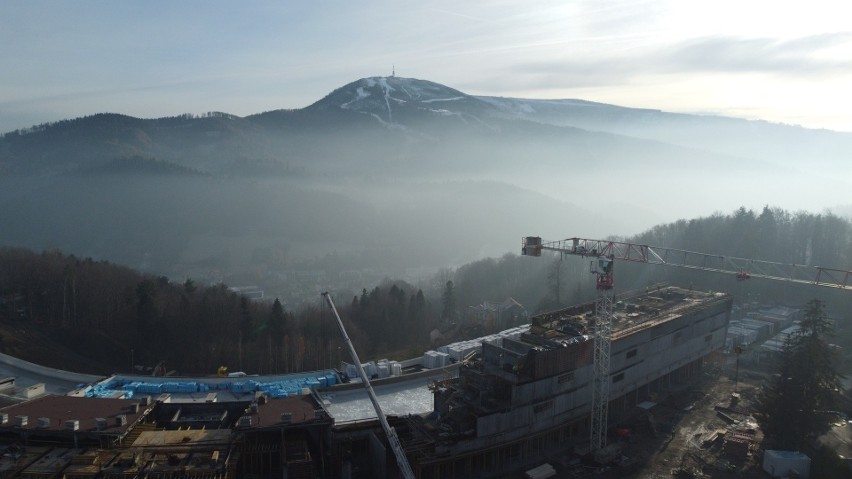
x=46 y=371
x=659 y=351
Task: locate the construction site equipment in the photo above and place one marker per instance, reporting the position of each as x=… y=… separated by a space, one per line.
x=741 y=268
x=393 y=439
x=605 y=252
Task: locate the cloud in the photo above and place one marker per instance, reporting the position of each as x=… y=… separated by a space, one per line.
x=804 y=57
x=799 y=57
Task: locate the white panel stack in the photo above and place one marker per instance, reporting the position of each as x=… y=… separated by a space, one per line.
x=34 y=391
x=350 y=370
x=434 y=359
x=371 y=369
x=459 y=350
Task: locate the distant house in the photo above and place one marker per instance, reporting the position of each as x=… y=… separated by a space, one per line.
x=498 y=316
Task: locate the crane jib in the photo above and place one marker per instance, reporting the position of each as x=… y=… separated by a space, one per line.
x=741 y=268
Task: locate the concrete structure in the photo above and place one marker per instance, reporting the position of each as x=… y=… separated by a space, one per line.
x=529 y=397
x=497 y=403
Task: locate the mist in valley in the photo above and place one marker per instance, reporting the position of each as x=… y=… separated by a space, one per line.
x=390 y=177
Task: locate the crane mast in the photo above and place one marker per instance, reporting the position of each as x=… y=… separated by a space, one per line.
x=602 y=332
x=393 y=439
x=602 y=346
x=606 y=252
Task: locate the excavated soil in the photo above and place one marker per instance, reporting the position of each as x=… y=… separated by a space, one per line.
x=695 y=433
x=699 y=433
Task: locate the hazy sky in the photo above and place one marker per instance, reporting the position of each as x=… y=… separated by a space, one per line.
x=777 y=60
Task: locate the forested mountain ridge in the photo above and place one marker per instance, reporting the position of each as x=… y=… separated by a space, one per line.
x=399 y=116
x=787 y=145
x=110 y=315
x=773 y=234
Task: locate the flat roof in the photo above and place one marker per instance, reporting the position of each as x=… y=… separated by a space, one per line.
x=59 y=409
x=192 y=438
x=199 y=389
x=409 y=396
x=302 y=409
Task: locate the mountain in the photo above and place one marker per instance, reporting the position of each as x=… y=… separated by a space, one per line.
x=388 y=124
x=390 y=174
x=402 y=101
x=789 y=145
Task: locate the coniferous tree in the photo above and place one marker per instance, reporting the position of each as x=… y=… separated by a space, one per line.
x=146 y=309
x=246 y=321
x=448 y=299
x=791 y=411
x=277 y=323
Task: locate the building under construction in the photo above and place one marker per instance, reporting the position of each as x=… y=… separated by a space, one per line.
x=525 y=399
x=515 y=399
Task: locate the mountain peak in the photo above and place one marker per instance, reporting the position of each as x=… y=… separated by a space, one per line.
x=391 y=98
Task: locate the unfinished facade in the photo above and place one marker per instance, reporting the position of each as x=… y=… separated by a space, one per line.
x=524 y=399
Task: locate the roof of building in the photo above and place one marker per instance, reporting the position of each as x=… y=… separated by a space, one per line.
x=59 y=409
x=634 y=311
x=301 y=409
x=210 y=389
x=193 y=438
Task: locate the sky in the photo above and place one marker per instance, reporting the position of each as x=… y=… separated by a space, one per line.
x=781 y=61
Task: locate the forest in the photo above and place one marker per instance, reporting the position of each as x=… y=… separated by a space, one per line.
x=115 y=316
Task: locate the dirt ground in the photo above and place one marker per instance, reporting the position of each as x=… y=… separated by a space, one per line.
x=699 y=433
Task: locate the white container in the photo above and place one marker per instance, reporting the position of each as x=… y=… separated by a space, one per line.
x=34 y=391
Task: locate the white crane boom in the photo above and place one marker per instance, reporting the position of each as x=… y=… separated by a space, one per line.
x=743 y=268
x=393 y=439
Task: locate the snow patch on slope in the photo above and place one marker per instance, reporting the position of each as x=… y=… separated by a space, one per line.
x=387 y=89
x=360 y=95
x=432 y=100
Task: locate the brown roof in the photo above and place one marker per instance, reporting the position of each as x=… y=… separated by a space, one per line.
x=59 y=409
x=300 y=408
x=193 y=438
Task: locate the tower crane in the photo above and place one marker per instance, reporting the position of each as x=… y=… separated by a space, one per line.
x=393 y=439
x=606 y=252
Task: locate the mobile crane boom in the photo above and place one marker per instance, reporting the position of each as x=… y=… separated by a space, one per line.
x=393 y=439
